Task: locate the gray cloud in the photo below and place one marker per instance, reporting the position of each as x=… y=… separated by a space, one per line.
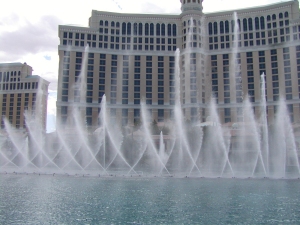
x=31 y=38
x=10 y=20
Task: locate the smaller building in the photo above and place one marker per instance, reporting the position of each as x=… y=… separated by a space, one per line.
x=21 y=92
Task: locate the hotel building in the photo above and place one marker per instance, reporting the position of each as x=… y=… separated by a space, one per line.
x=131 y=58
x=21 y=92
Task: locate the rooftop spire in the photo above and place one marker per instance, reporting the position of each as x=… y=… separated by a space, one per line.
x=187 y=5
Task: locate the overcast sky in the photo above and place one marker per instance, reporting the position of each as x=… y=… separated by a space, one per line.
x=28 y=29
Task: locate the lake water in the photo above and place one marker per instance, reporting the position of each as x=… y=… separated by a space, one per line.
x=33 y=199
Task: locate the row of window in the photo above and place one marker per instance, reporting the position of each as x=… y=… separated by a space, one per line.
x=192 y=1
x=258 y=23
x=260 y=38
x=250 y=75
x=140 y=29
x=298 y=66
x=287 y=74
x=12 y=109
x=5 y=76
x=19 y=86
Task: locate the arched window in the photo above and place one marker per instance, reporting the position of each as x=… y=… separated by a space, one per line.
x=124 y=28
x=15 y=73
x=11 y=73
x=250 y=24
x=286 y=14
x=184 y=23
x=112 y=24
x=19 y=73
x=280 y=15
x=106 y=23
x=232 y=25
x=273 y=17
x=194 y=23
x=245 y=25
x=169 y=30
x=262 y=22
x=128 y=28
x=226 y=26
x=117 y=24
x=0 y=76
x=147 y=29
x=135 y=29
x=140 y=29
x=210 y=28
x=268 y=18
x=174 y=30
x=101 y=23
x=215 y=28
x=157 y=29
x=163 y=29
x=222 y=27
x=256 y=23
x=239 y=24
x=151 y=29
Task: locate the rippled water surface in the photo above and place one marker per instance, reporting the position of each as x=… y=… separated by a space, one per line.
x=33 y=199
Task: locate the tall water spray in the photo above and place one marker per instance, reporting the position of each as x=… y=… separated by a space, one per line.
x=154 y=159
x=185 y=158
x=264 y=131
x=18 y=154
x=37 y=153
x=84 y=152
x=235 y=69
x=283 y=159
x=111 y=143
x=249 y=148
x=162 y=152
x=214 y=153
x=246 y=154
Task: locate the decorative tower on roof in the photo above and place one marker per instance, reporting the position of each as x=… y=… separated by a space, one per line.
x=188 y=5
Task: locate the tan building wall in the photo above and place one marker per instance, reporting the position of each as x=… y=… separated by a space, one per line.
x=131 y=58
x=21 y=92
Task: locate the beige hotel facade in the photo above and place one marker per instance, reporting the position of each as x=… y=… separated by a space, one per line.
x=22 y=92
x=131 y=58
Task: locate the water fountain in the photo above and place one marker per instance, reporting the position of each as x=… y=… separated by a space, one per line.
x=197 y=150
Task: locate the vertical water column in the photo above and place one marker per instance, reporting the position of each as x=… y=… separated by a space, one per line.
x=80 y=147
x=264 y=131
x=103 y=119
x=36 y=136
x=185 y=161
x=283 y=156
x=162 y=152
x=83 y=152
x=113 y=159
x=214 y=155
x=14 y=152
x=151 y=154
x=235 y=65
